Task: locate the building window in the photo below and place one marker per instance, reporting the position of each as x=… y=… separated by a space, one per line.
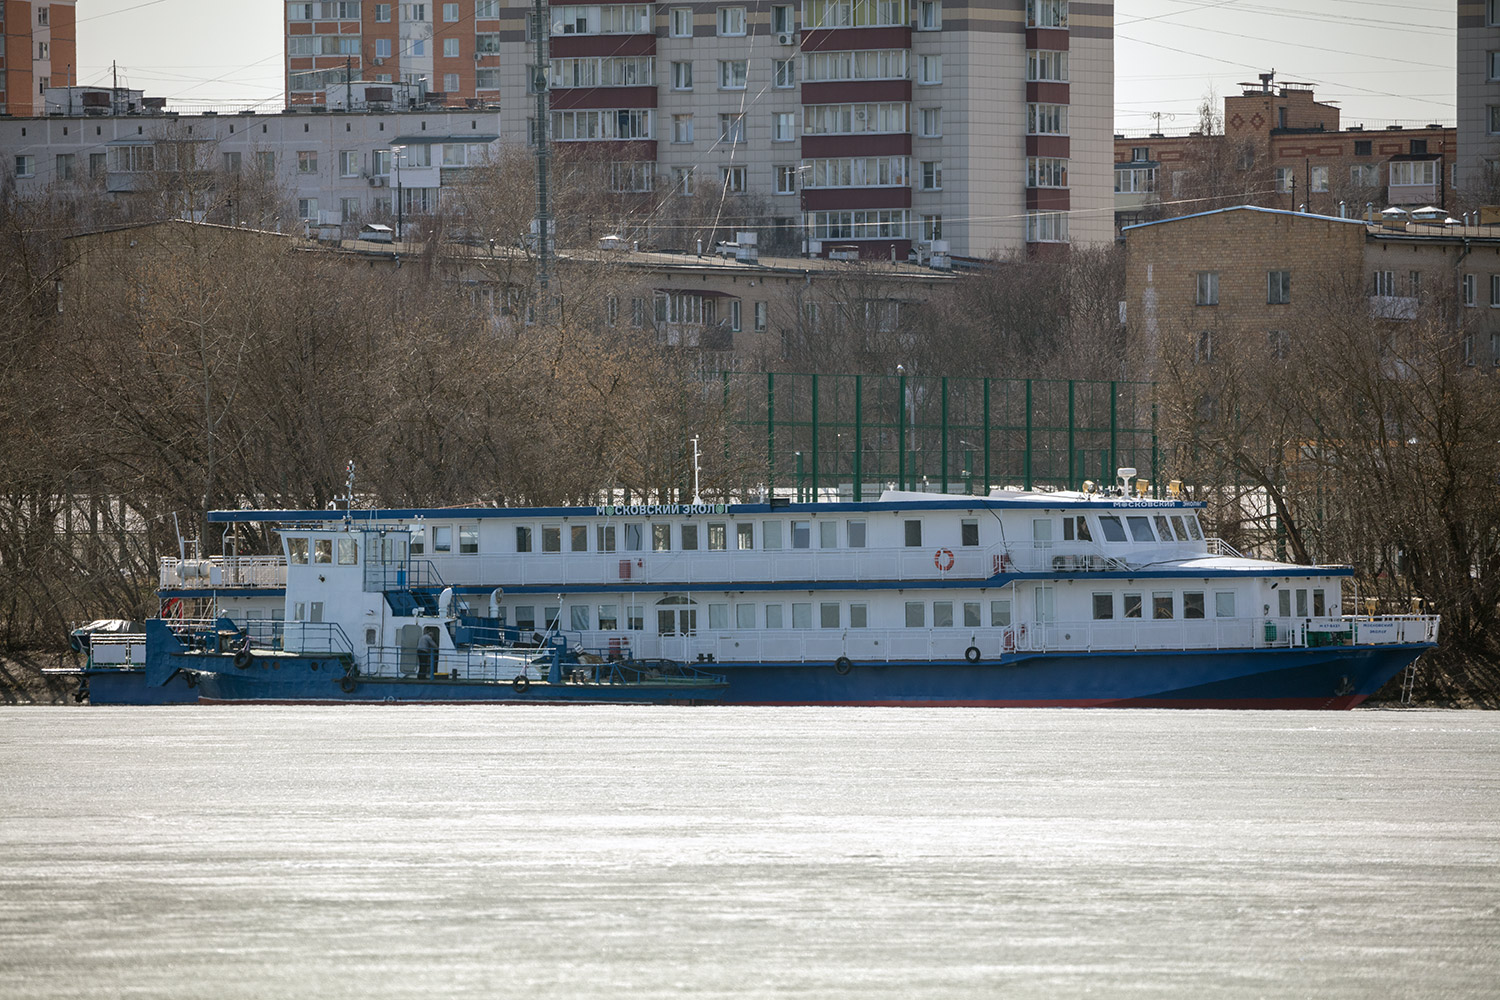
x=25 y=166
x=732 y=179
x=784 y=73
x=929 y=15
x=1414 y=172
x=1203 y=348
x=382 y=13
x=682 y=179
x=1278 y=288
x=732 y=73
x=42 y=15
x=760 y=316
x=932 y=228
x=348 y=163
x=1384 y=283
x=782 y=22
x=854 y=13
x=682 y=76
x=1045 y=66
x=1134 y=180
x=450 y=12
x=1046 y=13
x=64 y=166
x=450 y=48
x=682 y=22
x=732 y=128
x=1050 y=172
x=382 y=48
x=932 y=175
x=682 y=128
x=1468 y=289
x=1280 y=343
x=1047 y=119
x=307 y=209
x=450 y=82
x=734 y=327
x=929 y=69
x=1492 y=116
x=307 y=161
x=850 y=119
x=1208 y=288
x=784 y=126
x=931 y=122
x=1285 y=178
x=1363 y=175
x=1046 y=227
x=1318 y=178
x=786 y=179
x=731 y=21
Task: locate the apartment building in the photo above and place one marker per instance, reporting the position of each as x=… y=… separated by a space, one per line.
x=40 y=50
x=1478 y=72
x=1251 y=275
x=326 y=168
x=1282 y=148
x=878 y=124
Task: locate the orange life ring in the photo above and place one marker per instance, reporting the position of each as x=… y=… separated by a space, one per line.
x=938 y=559
x=171 y=608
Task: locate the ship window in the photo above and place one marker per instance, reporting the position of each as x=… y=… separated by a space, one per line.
x=718 y=539
x=348 y=552
x=1182 y=534
x=578 y=617
x=1104 y=607
x=468 y=539
x=856 y=534
x=1083 y=529
x=609 y=617
x=744 y=538
x=1161 y=604
x=828 y=614
x=1318 y=604
x=1192 y=604
x=370 y=636
x=1284 y=603
x=801 y=616
x=635 y=537
x=942 y=614
x=1163 y=529
x=526 y=617
x=579 y=537
x=801 y=534
x=1041 y=529
x=689 y=537
x=418 y=544
x=770 y=535
x=442 y=539
x=551 y=539
x=1113 y=530
x=1224 y=604
x=913 y=534
x=718 y=616
x=661 y=538
x=1046 y=609
x=999 y=614
x=916 y=614
x=604 y=537
x=299 y=611
x=828 y=534
x=859 y=616
x=635 y=617
x=1132 y=606
x=774 y=617
x=971 y=614
x=296 y=551
x=968 y=532
x=1140 y=528
x=554 y=618
x=1076 y=529
x=1192 y=523
x=744 y=616
x=523 y=538
x=322 y=550
x=1302 y=602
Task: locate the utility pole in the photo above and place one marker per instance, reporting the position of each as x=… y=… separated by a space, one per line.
x=541 y=136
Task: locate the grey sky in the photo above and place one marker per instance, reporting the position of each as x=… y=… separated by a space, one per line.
x=1380 y=60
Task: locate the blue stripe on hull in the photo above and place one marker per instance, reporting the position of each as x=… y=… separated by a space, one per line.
x=128 y=687
x=1328 y=677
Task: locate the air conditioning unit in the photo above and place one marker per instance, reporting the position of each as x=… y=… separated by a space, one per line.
x=378 y=61
x=378 y=182
x=786 y=38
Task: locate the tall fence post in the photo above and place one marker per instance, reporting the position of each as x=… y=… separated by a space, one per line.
x=815 y=438
x=770 y=434
x=901 y=431
x=1026 y=462
x=986 y=437
x=859 y=435
x=945 y=435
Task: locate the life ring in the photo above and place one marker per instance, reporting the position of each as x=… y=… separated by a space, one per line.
x=243 y=659
x=943 y=559
x=171 y=608
x=521 y=683
x=347 y=684
x=972 y=654
x=843 y=664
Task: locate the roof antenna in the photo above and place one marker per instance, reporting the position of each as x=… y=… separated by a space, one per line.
x=348 y=498
x=696 y=498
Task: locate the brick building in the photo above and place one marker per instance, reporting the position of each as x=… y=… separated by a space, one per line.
x=40 y=50
x=1282 y=148
x=1256 y=275
x=877 y=124
x=1478 y=70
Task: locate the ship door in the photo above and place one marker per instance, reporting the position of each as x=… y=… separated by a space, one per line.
x=407 y=637
x=676 y=620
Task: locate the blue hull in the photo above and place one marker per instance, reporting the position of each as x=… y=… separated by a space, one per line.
x=129 y=687
x=1333 y=677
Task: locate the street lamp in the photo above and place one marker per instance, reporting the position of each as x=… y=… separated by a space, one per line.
x=396 y=152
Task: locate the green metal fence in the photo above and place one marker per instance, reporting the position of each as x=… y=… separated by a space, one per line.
x=860 y=434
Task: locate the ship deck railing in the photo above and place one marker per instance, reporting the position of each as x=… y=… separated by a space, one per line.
x=504 y=664
x=953 y=642
x=403 y=574
x=298 y=637
x=222 y=571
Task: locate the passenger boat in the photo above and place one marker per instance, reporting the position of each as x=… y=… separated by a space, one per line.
x=1080 y=598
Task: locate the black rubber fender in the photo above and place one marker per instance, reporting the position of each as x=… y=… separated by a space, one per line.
x=242 y=659
x=972 y=654
x=843 y=664
x=521 y=683
x=347 y=684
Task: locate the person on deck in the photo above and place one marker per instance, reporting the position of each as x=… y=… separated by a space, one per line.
x=427 y=648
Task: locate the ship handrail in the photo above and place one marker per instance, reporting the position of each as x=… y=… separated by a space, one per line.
x=506 y=664
x=233 y=571
x=1219 y=547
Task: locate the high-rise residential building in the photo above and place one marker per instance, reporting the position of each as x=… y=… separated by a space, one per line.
x=40 y=51
x=1479 y=95
x=878 y=124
